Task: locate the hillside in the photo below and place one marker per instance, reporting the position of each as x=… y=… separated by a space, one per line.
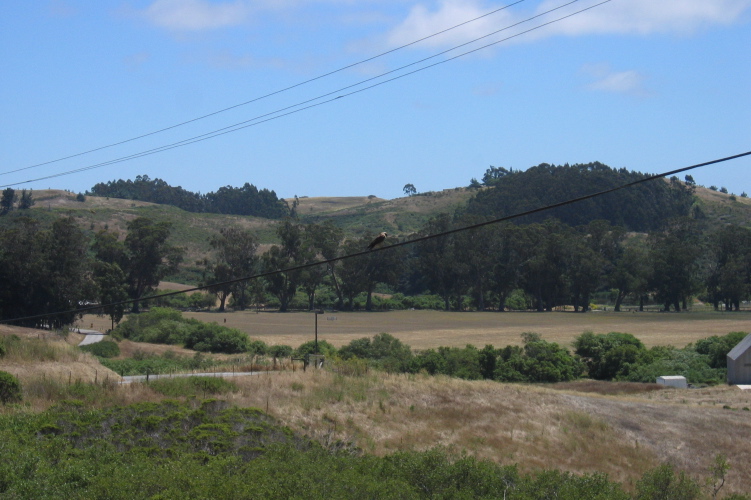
x=368 y=215
x=584 y=427
x=357 y=215
x=721 y=207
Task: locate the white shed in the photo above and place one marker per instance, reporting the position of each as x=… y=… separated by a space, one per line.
x=676 y=381
x=739 y=362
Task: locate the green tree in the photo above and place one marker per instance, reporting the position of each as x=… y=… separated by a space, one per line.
x=26 y=201
x=630 y=270
x=235 y=254
x=320 y=241
x=7 y=200
x=675 y=256
x=288 y=254
x=149 y=257
x=69 y=281
x=111 y=289
x=437 y=259
x=729 y=279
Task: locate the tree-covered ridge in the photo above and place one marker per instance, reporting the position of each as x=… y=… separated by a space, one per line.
x=639 y=208
x=245 y=200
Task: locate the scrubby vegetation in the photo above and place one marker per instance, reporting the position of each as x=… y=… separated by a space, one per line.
x=167 y=326
x=10 y=388
x=213 y=450
x=102 y=349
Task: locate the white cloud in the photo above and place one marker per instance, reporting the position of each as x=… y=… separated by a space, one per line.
x=196 y=15
x=616 y=17
x=649 y=16
x=423 y=21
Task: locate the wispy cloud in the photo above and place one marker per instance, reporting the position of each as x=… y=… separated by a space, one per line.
x=618 y=17
x=197 y=15
x=629 y=82
x=650 y=16
x=423 y=21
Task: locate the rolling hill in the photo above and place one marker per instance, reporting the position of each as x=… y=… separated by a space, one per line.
x=357 y=215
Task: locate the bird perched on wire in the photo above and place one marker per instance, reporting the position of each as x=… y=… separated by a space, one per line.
x=377 y=241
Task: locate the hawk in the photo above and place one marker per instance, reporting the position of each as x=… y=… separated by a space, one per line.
x=377 y=241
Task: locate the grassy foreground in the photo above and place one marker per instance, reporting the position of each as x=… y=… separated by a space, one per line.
x=624 y=431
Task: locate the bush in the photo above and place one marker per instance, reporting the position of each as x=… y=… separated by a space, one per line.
x=717 y=348
x=10 y=388
x=211 y=337
x=607 y=356
x=309 y=348
x=103 y=349
x=384 y=351
x=279 y=351
x=686 y=362
x=663 y=483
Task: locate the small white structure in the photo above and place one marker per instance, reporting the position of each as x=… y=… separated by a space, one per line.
x=739 y=363
x=676 y=381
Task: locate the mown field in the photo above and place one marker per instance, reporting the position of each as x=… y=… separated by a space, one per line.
x=432 y=329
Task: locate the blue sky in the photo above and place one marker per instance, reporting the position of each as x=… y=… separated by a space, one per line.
x=650 y=85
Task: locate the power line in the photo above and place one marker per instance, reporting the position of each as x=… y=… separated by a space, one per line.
x=270 y=94
x=279 y=113
x=395 y=245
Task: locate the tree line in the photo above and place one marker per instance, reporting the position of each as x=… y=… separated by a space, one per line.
x=245 y=200
x=500 y=267
x=57 y=269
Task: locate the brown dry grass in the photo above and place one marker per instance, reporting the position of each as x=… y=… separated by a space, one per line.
x=325 y=204
x=533 y=426
x=431 y=329
x=586 y=426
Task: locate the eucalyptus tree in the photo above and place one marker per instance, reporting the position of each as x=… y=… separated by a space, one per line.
x=674 y=259
x=234 y=257
x=148 y=256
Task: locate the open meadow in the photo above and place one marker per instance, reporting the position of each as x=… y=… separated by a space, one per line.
x=432 y=329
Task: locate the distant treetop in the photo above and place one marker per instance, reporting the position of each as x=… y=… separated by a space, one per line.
x=642 y=208
x=245 y=200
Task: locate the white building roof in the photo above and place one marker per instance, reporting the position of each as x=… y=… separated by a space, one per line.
x=737 y=351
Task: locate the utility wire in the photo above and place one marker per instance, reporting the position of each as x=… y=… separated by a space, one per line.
x=267 y=117
x=395 y=245
x=270 y=94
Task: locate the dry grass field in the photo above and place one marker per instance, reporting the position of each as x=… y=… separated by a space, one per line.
x=431 y=329
x=585 y=426
x=622 y=435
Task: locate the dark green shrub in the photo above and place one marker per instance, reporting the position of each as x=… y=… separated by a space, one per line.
x=662 y=483
x=607 y=356
x=717 y=348
x=686 y=362
x=309 y=348
x=10 y=388
x=384 y=351
x=103 y=349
